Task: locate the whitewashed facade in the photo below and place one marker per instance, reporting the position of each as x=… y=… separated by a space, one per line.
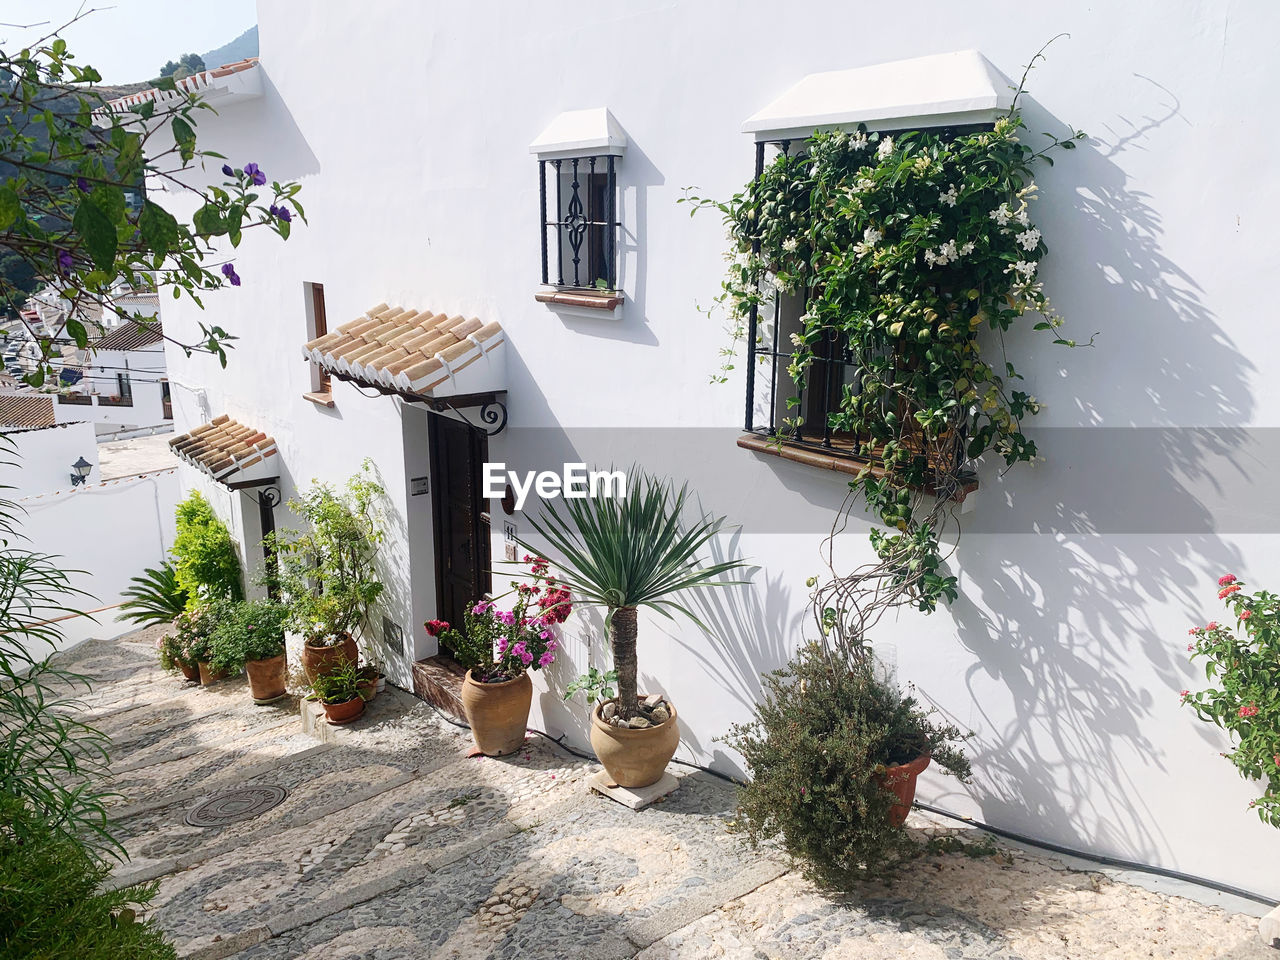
x=409 y=126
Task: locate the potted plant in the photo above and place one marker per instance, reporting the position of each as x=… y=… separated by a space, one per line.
x=625 y=554
x=155 y=597
x=193 y=631
x=833 y=754
x=338 y=692
x=1243 y=664
x=499 y=648
x=327 y=573
x=175 y=656
x=250 y=635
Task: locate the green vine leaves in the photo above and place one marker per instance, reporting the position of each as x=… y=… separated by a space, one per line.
x=912 y=254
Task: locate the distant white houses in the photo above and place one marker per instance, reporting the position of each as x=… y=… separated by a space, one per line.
x=124 y=386
x=40 y=454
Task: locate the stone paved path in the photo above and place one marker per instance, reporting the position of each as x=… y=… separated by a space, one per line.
x=392 y=844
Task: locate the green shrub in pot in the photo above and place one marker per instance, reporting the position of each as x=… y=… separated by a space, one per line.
x=246 y=631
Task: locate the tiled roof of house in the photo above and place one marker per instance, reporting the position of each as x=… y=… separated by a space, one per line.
x=421 y=353
x=26 y=411
x=192 y=84
x=131 y=336
x=228 y=451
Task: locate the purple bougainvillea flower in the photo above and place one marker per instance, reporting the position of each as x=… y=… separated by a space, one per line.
x=229 y=272
x=65 y=263
x=253 y=173
x=83 y=184
x=227 y=171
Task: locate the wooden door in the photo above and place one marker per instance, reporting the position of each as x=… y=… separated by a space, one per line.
x=460 y=516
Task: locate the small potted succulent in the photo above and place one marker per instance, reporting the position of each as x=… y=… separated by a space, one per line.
x=338 y=692
x=623 y=554
x=499 y=648
x=250 y=634
x=175 y=656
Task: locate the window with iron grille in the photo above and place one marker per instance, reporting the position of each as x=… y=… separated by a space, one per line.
x=800 y=414
x=579 y=219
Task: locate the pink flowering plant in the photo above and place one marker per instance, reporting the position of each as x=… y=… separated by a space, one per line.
x=497 y=645
x=1244 y=663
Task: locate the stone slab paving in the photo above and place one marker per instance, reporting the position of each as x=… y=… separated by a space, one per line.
x=391 y=844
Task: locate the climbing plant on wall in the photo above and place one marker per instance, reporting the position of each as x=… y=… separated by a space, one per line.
x=913 y=254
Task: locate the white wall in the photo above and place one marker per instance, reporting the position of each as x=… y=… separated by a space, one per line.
x=41 y=460
x=1080 y=575
x=106 y=533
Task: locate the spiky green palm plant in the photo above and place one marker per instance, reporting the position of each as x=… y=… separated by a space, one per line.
x=631 y=552
x=155 y=597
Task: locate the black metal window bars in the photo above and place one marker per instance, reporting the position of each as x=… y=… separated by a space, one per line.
x=834 y=371
x=584 y=222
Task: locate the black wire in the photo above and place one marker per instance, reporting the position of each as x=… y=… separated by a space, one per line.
x=1098 y=858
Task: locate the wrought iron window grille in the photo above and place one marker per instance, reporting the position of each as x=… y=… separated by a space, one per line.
x=579 y=232
x=834 y=372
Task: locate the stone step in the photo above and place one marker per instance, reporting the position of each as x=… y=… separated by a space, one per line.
x=438 y=680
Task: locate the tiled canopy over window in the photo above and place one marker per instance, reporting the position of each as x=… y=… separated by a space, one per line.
x=230 y=452
x=416 y=353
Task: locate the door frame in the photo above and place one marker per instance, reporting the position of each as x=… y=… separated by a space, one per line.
x=478 y=450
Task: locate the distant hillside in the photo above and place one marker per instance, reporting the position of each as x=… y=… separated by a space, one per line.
x=243 y=46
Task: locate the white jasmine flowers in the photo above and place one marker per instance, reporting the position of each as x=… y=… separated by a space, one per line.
x=790 y=244
x=966 y=248
x=858 y=141
x=862 y=185
x=1001 y=215
x=1028 y=239
x=870 y=237
x=797 y=340
x=1024 y=268
x=1023 y=217
x=885 y=148
x=950 y=196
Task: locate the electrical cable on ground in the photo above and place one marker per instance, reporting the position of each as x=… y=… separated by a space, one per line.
x=1100 y=859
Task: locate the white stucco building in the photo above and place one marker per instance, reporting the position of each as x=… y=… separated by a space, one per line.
x=410 y=128
x=125 y=385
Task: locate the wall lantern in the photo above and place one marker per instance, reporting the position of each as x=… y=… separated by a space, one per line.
x=80 y=471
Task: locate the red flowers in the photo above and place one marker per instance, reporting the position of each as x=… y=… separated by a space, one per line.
x=1184 y=694
x=1228 y=591
x=1248 y=710
x=1211 y=625
x=1246 y=614
x=1226 y=578
x=436 y=627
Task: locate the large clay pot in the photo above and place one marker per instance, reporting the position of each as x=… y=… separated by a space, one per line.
x=322 y=661
x=900 y=780
x=190 y=671
x=344 y=712
x=634 y=758
x=210 y=676
x=498 y=713
x=266 y=678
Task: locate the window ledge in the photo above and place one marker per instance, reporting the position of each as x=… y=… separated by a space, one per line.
x=582 y=303
x=827 y=461
x=319 y=399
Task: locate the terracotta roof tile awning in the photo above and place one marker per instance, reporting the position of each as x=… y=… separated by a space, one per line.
x=25 y=411
x=230 y=452
x=131 y=336
x=415 y=353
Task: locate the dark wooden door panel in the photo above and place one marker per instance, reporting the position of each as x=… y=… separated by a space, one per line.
x=460 y=516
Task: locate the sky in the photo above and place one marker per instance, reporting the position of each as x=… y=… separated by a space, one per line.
x=128 y=40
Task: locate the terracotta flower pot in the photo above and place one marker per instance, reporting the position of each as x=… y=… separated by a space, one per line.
x=498 y=713
x=266 y=678
x=343 y=712
x=210 y=676
x=190 y=671
x=322 y=661
x=900 y=780
x=634 y=758
x=369 y=689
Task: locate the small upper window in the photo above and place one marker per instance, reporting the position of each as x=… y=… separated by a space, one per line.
x=317 y=326
x=578 y=159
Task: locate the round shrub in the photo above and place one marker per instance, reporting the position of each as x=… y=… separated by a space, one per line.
x=816 y=752
x=247 y=630
x=206 y=564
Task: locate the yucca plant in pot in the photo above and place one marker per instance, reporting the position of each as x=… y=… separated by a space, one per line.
x=339 y=692
x=627 y=554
